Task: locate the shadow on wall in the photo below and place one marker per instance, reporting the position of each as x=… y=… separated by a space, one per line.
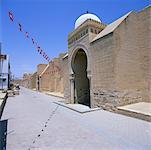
x=3 y=134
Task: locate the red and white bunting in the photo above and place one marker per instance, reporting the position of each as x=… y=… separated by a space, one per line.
x=27 y=35
x=11 y=16
x=45 y=57
x=38 y=48
x=33 y=41
x=43 y=54
x=41 y=51
x=20 y=27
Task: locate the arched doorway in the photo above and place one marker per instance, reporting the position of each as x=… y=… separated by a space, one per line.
x=81 y=81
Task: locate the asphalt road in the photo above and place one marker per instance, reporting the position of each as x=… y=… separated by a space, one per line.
x=36 y=123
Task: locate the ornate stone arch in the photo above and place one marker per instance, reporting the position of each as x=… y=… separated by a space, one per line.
x=71 y=57
x=73 y=54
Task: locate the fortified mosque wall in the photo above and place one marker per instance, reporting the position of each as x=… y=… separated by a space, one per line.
x=119 y=57
x=106 y=65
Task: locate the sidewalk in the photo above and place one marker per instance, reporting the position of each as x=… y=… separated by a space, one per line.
x=78 y=107
x=141 y=110
x=57 y=94
x=3 y=97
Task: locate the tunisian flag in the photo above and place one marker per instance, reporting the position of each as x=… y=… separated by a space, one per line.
x=48 y=59
x=33 y=40
x=43 y=54
x=38 y=48
x=41 y=51
x=11 y=16
x=20 y=27
x=27 y=35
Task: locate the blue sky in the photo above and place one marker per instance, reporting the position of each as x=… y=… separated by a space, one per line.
x=49 y=22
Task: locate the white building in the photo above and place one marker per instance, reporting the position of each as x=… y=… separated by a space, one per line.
x=4 y=71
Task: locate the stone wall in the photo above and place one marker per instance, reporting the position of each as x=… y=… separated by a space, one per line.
x=103 y=76
x=40 y=68
x=103 y=63
x=113 y=98
x=66 y=80
x=132 y=55
x=121 y=63
x=57 y=76
x=44 y=79
x=129 y=74
x=144 y=33
x=51 y=79
x=33 y=80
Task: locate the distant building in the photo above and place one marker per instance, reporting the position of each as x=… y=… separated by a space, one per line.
x=5 y=73
x=26 y=81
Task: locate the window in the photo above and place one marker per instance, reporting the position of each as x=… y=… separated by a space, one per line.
x=86 y=30
x=83 y=32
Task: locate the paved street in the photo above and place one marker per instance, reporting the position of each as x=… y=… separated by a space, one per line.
x=36 y=123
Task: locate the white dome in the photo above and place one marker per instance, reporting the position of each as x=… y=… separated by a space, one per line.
x=84 y=17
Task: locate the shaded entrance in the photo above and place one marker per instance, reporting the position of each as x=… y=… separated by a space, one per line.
x=81 y=82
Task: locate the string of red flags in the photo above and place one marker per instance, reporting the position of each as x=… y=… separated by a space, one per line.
x=27 y=35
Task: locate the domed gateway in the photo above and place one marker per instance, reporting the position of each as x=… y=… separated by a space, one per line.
x=87 y=26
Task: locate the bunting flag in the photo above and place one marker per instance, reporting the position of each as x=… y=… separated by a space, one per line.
x=38 y=48
x=33 y=40
x=44 y=54
x=11 y=16
x=27 y=35
x=20 y=27
x=41 y=51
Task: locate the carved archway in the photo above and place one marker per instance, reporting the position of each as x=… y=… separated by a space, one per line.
x=80 y=76
x=73 y=54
